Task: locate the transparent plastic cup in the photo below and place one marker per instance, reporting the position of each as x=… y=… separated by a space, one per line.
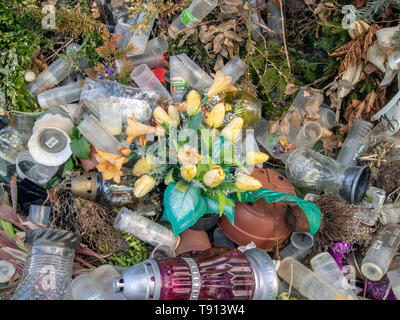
x=308 y=283
x=39 y=214
x=61 y=95
x=157 y=43
x=98 y=135
x=326 y=266
x=84 y=287
x=179 y=85
x=308 y=135
x=235 y=68
x=162 y=251
x=153 y=59
x=145 y=229
x=147 y=81
x=140 y=38
x=327 y=116
x=105 y=277
x=390 y=213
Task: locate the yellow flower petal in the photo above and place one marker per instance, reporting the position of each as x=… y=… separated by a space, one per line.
x=245 y=182
x=214 y=176
x=193 y=102
x=188 y=172
x=144 y=185
x=253 y=158
x=216 y=116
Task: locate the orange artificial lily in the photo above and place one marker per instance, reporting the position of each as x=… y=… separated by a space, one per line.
x=136 y=129
x=110 y=164
x=221 y=83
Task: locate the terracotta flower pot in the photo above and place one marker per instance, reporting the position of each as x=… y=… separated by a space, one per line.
x=193 y=240
x=261 y=222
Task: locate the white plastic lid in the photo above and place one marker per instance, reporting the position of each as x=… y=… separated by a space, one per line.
x=50 y=146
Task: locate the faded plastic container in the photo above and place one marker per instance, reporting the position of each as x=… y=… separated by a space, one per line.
x=235 y=68
x=326 y=266
x=147 y=81
x=308 y=169
x=308 y=283
x=191 y=16
x=28 y=168
x=111 y=118
x=179 y=85
x=54 y=117
x=162 y=251
x=61 y=95
x=308 y=135
x=353 y=143
x=299 y=247
x=145 y=229
x=125 y=32
x=53 y=74
x=105 y=277
x=327 y=116
x=39 y=214
x=381 y=252
x=48 y=266
x=49 y=146
x=197 y=78
x=394 y=277
x=157 y=43
x=153 y=59
x=390 y=213
x=84 y=287
x=97 y=134
x=374 y=198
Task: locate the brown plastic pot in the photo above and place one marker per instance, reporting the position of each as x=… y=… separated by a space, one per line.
x=193 y=240
x=261 y=222
x=297 y=220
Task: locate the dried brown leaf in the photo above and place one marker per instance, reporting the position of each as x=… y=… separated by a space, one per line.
x=285 y=126
x=273 y=127
x=291 y=88
x=217 y=43
x=311 y=107
x=219 y=64
x=296 y=118
x=230 y=46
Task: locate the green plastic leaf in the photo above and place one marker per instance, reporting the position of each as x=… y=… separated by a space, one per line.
x=195 y=121
x=229 y=209
x=183 y=209
x=169 y=177
x=309 y=208
x=222 y=201
x=68 y=166
x=80 y=148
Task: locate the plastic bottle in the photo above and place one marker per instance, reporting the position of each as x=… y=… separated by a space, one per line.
x=235 y=68
x=145 y=229
x=54 y=73
x=326 y=266
x=179 y=85
x=191 y=16
x=308 y=169
x=308 y=283
x=61 y=95
x=48 y=266
x=381 y=252
x=147 y=81
x=39 y=214
x=350 y=150
x=98 y=135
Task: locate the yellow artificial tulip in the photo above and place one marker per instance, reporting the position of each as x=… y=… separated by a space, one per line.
x=253 y=158
x=245 y=182
x=193 y=103
x=188 y=172
x=144 y=185
x=174 y=115
x=141 y=166
x=221 y=83
x=160 y=116
x=216 y=116
x=232 y=130
x=136 y=129
x=214 y=176
x=189 y=155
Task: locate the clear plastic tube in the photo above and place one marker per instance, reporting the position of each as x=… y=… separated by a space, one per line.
x=394 y=277
x=153 y=59
x=147 y=81
x=326 y=266
x=308 y=135
x=140 y=38
x=61 y=95
x=235 y=68
x=53 y=74
x=48 y=266
x=98 y=135
x=327 y=116
x=380 y=254
x=308 y=283
x=144 y=229
x=353 y=143
x=39 y=214
x=158 y=43
x=191 y=16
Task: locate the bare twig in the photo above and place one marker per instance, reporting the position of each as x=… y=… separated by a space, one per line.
x=284 y=35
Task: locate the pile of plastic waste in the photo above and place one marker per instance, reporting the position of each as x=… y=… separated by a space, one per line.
x=235 y=225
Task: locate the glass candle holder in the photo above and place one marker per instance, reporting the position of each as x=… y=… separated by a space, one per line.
x=145 y=229
x=147 y=81
x=380 y=254
x=350 y=150
x=53 y=74
x=191 y=16
x=325 y=265
x=97 y=134
x=311 y=170
x=61 y=95
x=306 y=282
x=235 y=68
x=48 y=266
x=28 y=168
